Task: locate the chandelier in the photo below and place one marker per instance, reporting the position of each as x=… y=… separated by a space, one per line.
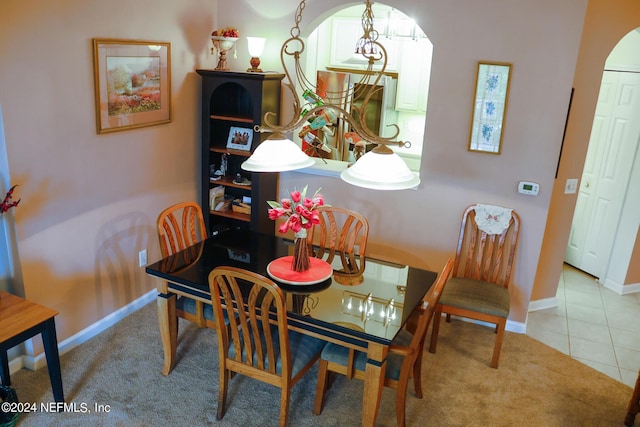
x=380 y=168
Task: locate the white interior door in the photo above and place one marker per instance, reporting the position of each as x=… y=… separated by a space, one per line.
x=612 y=147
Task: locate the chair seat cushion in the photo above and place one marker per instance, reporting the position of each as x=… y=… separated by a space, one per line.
x=303 y=350
x=336 y=353
x=188 y=305
x=476 y=295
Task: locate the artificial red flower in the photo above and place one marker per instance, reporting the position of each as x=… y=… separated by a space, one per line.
x=8 y=202
x=308 y=203
x=295 y=223
x=300 y=210
x=276 y=213
x=284 y=227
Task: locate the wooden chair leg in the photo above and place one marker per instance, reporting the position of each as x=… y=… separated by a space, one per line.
x=417 y=371
x=498 y=345
x=401 y=400
x=222 y=392
x=321 y=386
x=634 y=404
x=200 y=315
x=350 y=363
x=284 y=404
x=435 y=329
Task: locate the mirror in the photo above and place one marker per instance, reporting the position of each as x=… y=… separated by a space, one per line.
x=403 y=89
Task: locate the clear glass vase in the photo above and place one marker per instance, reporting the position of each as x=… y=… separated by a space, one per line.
x=301 y=260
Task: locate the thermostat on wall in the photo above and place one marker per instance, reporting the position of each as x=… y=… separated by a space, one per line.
x=528 y=188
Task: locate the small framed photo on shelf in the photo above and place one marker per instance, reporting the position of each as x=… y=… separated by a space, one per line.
x=240 y=138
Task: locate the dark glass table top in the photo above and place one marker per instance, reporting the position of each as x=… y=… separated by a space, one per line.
x=371 y=301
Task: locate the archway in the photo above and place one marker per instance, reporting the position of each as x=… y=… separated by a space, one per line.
x=605 y=24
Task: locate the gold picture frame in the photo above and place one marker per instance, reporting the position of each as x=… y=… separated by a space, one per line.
x=132 y=80
x=489 y=107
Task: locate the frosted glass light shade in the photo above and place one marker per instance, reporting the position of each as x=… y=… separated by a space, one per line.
x=256 y=46
x=381 y=169
x=277 y=154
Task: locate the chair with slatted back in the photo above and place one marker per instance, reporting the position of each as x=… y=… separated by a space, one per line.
x=403 y=361
x=342 y=233
x=482 y=271
x=257 y=342
x=181 y=226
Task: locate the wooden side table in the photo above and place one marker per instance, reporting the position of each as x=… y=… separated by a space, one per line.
x=20 y=320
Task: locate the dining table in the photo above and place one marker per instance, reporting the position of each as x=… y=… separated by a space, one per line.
x=362 y=304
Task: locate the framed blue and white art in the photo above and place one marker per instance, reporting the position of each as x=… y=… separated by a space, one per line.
x=489 y=107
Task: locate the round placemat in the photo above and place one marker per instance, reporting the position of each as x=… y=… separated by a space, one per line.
x=280 y=270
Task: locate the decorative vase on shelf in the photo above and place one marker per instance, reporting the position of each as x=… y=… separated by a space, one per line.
x=301 y=260
x=223 y=45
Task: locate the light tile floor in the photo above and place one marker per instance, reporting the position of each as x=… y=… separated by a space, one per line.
x=592 y=324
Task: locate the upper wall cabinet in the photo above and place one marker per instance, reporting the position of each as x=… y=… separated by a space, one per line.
x=413 y=75
x=411 y=57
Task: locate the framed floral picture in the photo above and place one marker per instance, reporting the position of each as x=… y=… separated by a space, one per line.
x=489 y=107
x=132 y=81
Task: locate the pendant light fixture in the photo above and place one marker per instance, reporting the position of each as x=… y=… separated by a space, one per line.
x=277 y=154
x=381 y=168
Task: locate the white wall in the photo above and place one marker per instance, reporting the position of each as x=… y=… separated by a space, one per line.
x=90 y=201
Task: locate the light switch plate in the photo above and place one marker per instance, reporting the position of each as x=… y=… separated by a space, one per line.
x=528 y=188
x=571 y=186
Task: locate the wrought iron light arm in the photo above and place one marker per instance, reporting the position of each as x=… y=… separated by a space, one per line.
x=368 y=47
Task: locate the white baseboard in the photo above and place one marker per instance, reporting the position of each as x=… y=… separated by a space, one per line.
x=35 y=362
x=517 y=327
x=621 y=289
x=543 y=304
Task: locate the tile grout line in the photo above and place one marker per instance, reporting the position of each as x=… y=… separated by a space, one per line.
x=606 y=319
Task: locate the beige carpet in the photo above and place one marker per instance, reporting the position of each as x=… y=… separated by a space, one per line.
x=534 y=386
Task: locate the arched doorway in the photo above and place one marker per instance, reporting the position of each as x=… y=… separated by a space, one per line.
x=604 y=25
x=607 y=200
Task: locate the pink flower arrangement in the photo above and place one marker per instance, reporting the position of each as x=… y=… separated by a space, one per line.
x=300 y=210
x=8 y=202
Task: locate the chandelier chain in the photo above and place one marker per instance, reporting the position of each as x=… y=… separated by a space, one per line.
x=295 y=30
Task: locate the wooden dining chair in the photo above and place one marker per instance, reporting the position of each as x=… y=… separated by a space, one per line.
x=404 y=358
x=257 y=342
x=482 y=271
x=179 y=227
x=341 y=232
